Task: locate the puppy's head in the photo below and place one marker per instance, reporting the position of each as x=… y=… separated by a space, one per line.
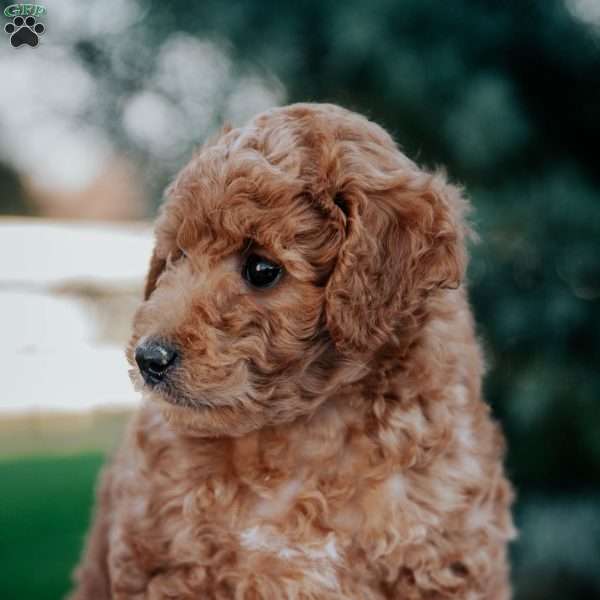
x=288 y=254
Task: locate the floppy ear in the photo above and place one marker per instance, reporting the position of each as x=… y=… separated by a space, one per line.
x=401 y=244
x=165 y=233
x=157 y=266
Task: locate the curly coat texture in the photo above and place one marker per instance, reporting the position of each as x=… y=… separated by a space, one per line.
x=325 y=438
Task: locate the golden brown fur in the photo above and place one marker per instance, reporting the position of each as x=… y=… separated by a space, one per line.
x=325 y=438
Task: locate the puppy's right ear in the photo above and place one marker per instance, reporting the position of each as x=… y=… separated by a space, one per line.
x=157 y=266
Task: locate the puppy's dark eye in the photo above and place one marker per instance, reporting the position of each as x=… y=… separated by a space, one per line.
x=177 y=255
x=261 y=272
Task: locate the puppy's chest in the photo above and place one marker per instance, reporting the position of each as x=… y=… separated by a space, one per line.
x=316 y=518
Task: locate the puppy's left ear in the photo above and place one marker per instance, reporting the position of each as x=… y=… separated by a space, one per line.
x=157 y=266
x=165 y=233
x=402 y=243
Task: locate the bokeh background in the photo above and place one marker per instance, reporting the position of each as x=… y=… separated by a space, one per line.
x=97 y=119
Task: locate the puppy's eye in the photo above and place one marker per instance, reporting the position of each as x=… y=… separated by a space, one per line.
x=261 y=272
x=177 y=255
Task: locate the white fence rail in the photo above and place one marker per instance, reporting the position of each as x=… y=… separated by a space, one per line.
x=67 y=294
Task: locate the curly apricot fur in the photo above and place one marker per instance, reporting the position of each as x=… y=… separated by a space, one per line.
x=326 y=438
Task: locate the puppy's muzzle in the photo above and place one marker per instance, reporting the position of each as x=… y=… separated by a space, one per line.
x=154 y=359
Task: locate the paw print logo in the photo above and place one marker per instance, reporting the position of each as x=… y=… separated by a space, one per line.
x=24 y=31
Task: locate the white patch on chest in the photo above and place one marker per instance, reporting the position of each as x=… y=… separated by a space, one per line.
x=321 y=556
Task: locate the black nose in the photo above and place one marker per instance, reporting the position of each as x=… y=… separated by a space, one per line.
x=154 y=358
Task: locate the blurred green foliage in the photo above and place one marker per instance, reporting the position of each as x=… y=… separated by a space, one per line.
x=505 y=95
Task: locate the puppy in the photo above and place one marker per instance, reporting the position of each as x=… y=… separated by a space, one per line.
x=313 y=426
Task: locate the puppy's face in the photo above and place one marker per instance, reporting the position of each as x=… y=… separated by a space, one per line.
x=287 y=254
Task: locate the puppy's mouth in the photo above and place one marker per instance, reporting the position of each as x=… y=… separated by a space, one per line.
x=162 y=377
x=166 y=390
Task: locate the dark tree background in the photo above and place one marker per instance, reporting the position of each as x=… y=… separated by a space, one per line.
x=506 y=95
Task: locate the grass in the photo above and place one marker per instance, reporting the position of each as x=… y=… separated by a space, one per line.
x=45 y=508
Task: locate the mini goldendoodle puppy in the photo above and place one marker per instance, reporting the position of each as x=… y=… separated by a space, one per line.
x=313 y=425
